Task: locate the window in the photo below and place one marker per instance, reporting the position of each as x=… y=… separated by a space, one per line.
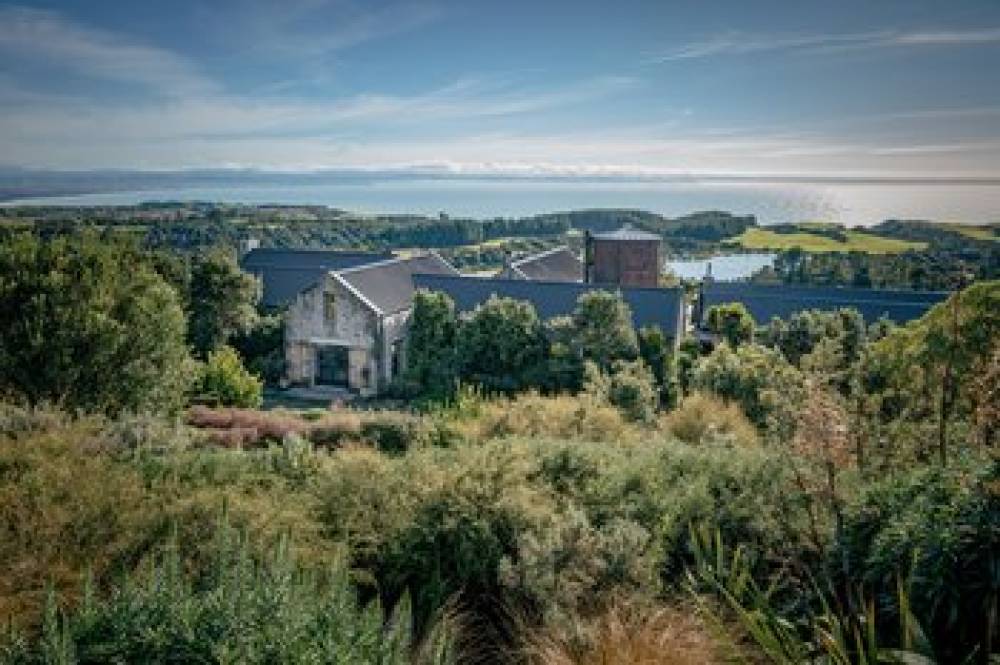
x=397 y=353
x=329 y=306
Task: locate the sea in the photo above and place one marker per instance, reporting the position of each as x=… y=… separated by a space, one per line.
x=851 y=203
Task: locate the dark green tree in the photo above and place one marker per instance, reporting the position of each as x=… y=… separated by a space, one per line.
x=732 y=322
x=221 y=300
x=89 y=324
x=431 y=367
x=603 y=330
x=501 y=345
x=656 y=351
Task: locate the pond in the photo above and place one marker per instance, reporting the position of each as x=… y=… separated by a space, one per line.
x=725 y=267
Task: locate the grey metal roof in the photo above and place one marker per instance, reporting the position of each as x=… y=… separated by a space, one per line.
x=388 y=285
x=627 y=232
x=287 y=272
x=766 y=302
x=658 y=307
x=555 y=265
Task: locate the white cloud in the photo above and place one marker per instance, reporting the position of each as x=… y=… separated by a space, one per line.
x=48 y=37
x=737 y=43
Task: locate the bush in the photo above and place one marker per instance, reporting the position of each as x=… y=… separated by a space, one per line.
x=87 y=323
x=394 y=431
x=705 y=419
x=265 y=611
x=939 y=531
x=225 y=381
x=533 y=415
x=759 y=379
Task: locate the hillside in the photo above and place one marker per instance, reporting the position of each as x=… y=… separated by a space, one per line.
x=819 y=239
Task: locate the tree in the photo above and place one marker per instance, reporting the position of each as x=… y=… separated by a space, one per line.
x=931 y=363
x=431 y=346
x=221 y=300
x=224 y=381
x=88 y=324
x=603 y=330
x=766 y=385
x=732 y=322
x=262 y=347
x=656 y=352
x=501 y=345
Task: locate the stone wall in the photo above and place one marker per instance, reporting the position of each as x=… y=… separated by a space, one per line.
x=354 y=326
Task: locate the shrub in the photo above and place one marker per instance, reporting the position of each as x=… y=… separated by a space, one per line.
x=393 y=431
x=86 y=323
x=533 y=415
x=630 y=387
x=249 y=611
x=703 y=418
x=732 y=322
x=759 y=379
x=224 y=381
x=938 y=529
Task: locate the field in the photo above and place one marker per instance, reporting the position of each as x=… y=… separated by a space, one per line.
x=857 y=241
x=976 y=231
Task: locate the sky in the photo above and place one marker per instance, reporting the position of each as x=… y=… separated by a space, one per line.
x=724 y=87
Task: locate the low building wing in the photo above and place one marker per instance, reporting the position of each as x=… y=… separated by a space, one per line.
x=387 y=286
x=765 y=302
x=285 y=273
x=556 y=265
x=661 y=307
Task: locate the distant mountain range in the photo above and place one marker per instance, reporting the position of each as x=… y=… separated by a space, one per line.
x=18 y=183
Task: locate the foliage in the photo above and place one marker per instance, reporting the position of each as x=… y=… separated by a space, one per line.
x=759 y=379
x=937 y=268
x=224 y=381
x=602 y=329
x=430 y=350
x=629 y=386
x=930 y=367
x=88 y=324
x=705 y=419
x=629 y=631
x=656 y=351
x=939 y=529
x=221 y=301
x=732 y=322
x=501 y=345
x=262 y=347
x=240 y=610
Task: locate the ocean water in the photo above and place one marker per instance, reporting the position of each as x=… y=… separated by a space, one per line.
x=725 y=267
x=847 y=203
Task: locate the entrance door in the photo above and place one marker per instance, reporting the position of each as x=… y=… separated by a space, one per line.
x=332 y=366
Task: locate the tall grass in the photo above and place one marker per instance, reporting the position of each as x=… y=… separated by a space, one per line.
x=241 y=609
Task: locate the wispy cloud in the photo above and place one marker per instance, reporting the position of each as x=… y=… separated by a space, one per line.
x=48 y=37
x=738 y=43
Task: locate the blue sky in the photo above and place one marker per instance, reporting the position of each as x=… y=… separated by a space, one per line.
x=861 y=88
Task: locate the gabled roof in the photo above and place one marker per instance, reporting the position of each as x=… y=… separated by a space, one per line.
x=287 y=272
x=555 y=265
x=658 y=307
x=766 y=302
x=627 y=232
x=387 y=286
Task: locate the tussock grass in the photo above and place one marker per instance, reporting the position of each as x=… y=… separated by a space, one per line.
x=703 y=418
x=627 y=633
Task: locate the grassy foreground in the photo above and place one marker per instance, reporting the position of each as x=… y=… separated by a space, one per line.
x=525 y=530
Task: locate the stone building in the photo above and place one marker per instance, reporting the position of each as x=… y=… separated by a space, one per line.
x=348 y=328
x=628 y=257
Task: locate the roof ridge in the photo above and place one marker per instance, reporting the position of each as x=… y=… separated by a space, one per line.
x=535 y=257
x=603 y=286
